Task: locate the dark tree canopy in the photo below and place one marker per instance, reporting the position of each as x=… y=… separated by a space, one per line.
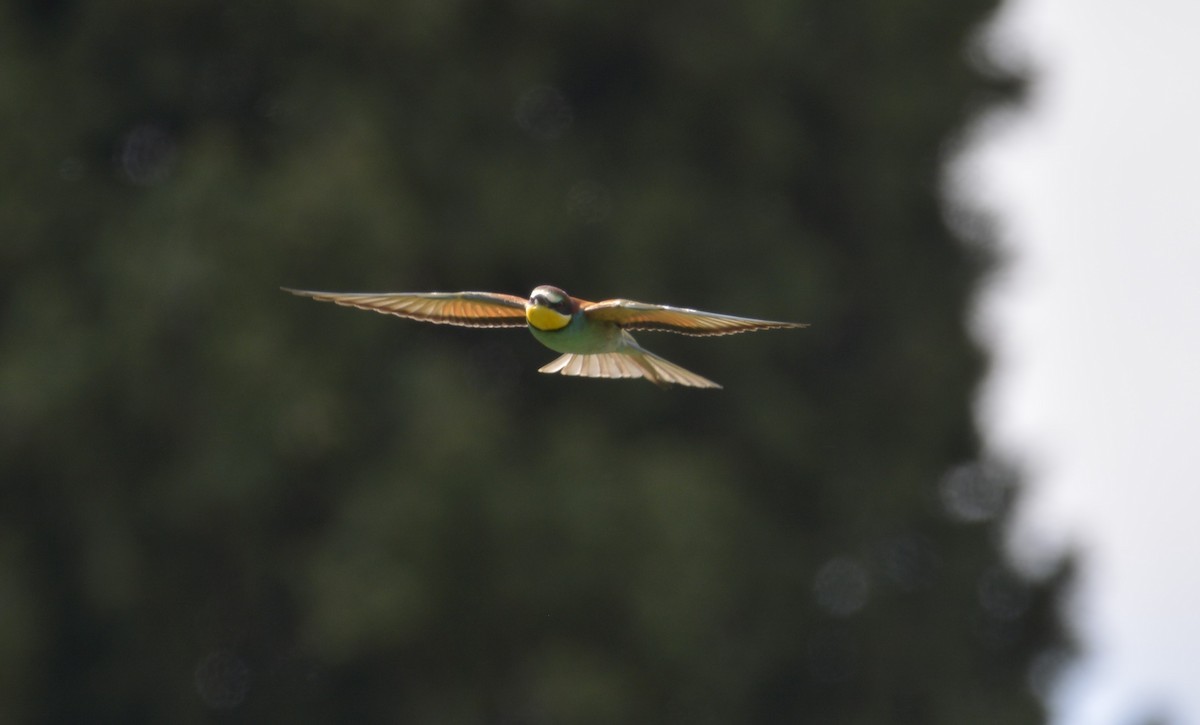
x=221 y=503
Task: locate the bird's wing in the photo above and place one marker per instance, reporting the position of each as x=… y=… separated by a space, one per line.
x=641 y=316
x=466 y=309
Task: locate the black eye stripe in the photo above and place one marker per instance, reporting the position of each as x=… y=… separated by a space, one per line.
x=556 y=305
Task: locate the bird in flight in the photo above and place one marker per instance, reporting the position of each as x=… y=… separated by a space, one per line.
x=593 y=337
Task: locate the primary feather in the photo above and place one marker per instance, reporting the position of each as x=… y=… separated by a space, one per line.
x=632 y=315
x=465 y=309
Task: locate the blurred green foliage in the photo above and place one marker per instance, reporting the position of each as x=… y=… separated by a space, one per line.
x=221 y=503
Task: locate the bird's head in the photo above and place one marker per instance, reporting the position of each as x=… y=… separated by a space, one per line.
x=549 y=308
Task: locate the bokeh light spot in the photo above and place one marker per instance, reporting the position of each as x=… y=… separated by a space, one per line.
x=974 y=492
x=842 y=586
x=589 y=202
x=544 y=113
x=222 y=680
x=147 y=155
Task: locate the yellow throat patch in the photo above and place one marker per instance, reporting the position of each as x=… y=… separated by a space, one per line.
x=544 y=318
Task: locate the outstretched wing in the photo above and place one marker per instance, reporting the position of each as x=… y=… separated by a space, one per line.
x=466 y=309
x=641 y=316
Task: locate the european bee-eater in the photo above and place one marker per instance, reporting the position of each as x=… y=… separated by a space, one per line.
x=593 y=336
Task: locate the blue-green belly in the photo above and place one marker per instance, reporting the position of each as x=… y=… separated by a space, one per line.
x=581 y=337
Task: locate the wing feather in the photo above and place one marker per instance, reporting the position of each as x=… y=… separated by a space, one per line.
x=632 y=315
x=466 y=309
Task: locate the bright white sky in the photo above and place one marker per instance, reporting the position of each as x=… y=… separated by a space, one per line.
x=1096 y=328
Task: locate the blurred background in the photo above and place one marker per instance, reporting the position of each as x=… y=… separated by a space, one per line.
x=1094 y=387
x=221 y=503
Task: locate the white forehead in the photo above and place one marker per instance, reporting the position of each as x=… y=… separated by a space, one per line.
x=551 y=293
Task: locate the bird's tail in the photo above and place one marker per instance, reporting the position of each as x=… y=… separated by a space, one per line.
x=634 y=363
